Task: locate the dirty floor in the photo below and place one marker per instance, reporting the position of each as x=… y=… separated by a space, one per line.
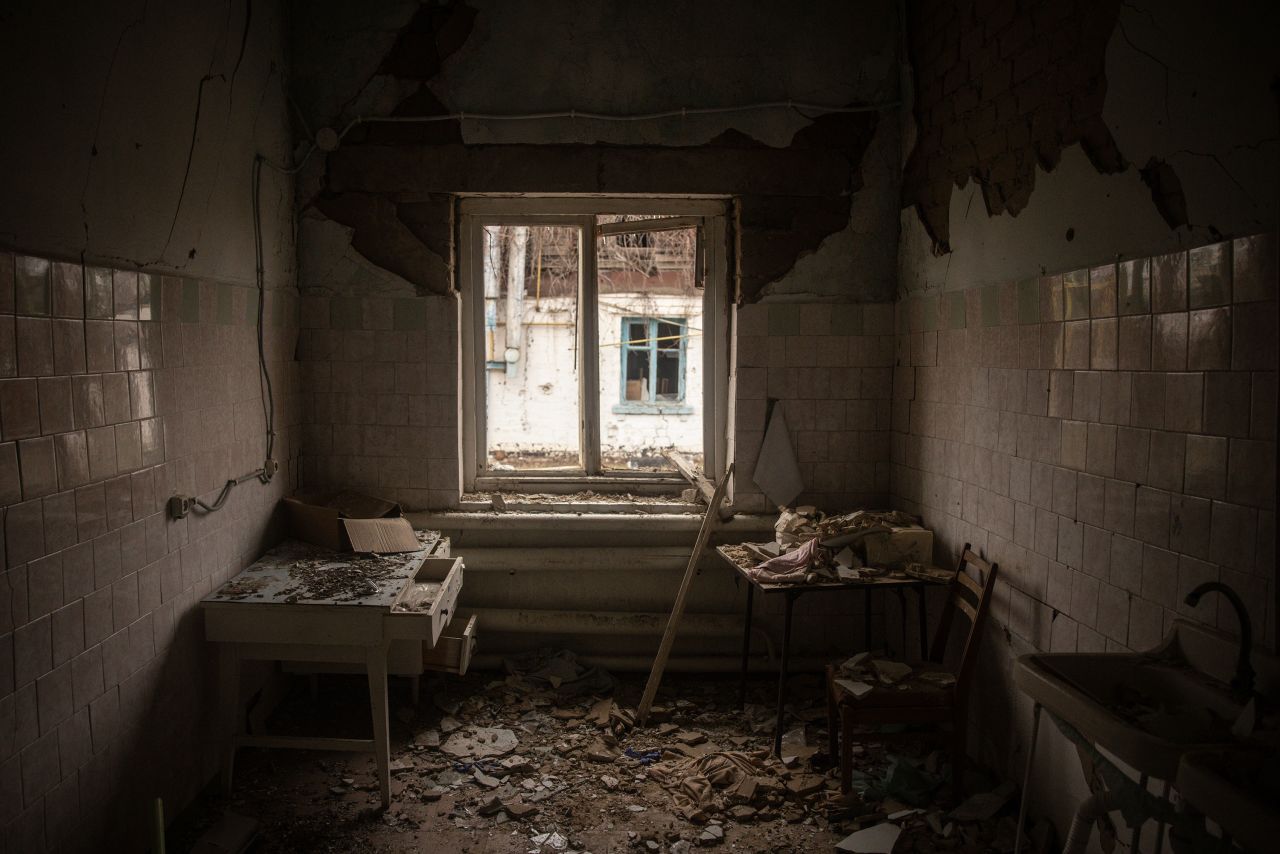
x=485 y=763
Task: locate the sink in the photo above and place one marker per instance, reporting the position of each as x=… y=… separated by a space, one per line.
x=1238 y=790
x=1148 y=709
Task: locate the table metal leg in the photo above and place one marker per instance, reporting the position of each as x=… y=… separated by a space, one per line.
x=229 y=704
x=1136 y=839
x=866 y=608
x=923 y=616
x=782 y=673
x=376 y=664
x=1160 y=825
x=746 y=648
x=902 y=609
x=1026 y=780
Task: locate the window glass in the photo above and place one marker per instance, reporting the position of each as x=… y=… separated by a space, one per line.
x=650 y=346
x=531 y=359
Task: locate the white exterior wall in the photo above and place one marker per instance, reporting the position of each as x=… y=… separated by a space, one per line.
x=532 y=405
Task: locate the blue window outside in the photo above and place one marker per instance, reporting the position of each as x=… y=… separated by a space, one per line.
x=653 y=364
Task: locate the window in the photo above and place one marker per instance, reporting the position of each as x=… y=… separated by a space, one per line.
x=594 y=340
x=653 y=354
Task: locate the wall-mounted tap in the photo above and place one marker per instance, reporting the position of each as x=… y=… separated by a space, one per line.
x=1243 y=681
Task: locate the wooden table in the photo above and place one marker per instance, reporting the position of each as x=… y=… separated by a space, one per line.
x=263 y=614
x=792 y=592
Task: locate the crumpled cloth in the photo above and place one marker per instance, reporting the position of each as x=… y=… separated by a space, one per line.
x=693 y=782
x=794 y=567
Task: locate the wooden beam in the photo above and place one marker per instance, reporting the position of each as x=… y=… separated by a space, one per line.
x=709 y=522
x=691 y=473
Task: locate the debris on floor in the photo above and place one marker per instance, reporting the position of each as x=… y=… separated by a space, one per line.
x=878 y=839
x=515 y=764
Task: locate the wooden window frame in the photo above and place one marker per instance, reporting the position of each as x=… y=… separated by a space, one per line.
x=710 y=215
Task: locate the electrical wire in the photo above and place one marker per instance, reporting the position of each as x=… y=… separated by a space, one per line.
x=574 y=115
x=200 y=505
x=264 y=374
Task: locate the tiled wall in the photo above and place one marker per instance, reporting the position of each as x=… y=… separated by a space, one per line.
x=831 y=365
x=1107 y=435
x=380 y=380
x=118 y=389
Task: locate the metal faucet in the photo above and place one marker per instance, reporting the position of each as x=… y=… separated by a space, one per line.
x=1243 y=681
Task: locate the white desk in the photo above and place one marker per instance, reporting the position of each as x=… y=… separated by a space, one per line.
x=264 y=613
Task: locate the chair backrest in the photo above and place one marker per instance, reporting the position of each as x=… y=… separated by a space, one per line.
x=972 y=599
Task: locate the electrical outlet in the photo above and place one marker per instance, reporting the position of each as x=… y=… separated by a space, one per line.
x=180 y=506
x=269 y=469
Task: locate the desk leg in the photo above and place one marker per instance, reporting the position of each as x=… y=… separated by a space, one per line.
x=376 y=664
x=923 y=617
x=746 y=649
x=782 y=673
x=866 y=610
x=902 y=609
x=229 y=703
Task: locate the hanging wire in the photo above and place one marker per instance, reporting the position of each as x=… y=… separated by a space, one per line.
x=264 y=375
x=264 y=380
x=574 y=115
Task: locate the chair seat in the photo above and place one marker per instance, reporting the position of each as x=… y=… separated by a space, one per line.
x=912 y=691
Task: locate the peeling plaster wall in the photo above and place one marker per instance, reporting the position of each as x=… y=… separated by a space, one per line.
x=612 y=58
x=818 y=202
x=1199 y=98
x=141 y=125
x=863 y=257
x=129 y=137
x=1105 y=431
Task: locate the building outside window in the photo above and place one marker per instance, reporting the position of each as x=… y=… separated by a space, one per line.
x=594 y=339
x=653 y=365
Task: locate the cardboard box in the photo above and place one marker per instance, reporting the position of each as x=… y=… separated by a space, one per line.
x=350 y=521
x=897 y=547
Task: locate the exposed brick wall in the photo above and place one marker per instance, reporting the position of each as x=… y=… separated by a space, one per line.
x=1002 y=86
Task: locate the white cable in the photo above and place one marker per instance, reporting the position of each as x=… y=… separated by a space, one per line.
x=573 y=115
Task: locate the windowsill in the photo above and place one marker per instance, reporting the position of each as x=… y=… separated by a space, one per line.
x=577 y=504
x=652 y=409
x=636 y=483
x=609 y=524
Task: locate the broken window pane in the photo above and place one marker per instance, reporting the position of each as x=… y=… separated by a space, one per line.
x=531 y=360
x=650 y=346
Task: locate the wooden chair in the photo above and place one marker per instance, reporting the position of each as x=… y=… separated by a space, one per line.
x=922 y=701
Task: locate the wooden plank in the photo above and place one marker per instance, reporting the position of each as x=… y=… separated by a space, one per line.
x=973 y=586
x=690 y=473
x=709 y=522
x=666 y=223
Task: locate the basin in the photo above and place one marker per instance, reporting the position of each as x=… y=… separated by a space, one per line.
x=1148 y=709
x=1238 y=789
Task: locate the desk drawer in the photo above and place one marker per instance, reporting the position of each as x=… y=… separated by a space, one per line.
x=452 y=652
x=427 y=604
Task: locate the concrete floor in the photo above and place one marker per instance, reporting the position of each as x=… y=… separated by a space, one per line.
x=312 y=801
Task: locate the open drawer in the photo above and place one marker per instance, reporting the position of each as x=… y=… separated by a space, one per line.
x=426 y=604
x=452 y=652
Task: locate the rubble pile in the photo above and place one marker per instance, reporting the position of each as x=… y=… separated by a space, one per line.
x=520 y=763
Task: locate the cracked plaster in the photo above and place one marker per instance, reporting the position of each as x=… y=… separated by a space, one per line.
x=1217 y=129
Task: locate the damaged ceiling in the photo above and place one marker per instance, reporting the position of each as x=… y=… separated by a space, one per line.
x=392 y=185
